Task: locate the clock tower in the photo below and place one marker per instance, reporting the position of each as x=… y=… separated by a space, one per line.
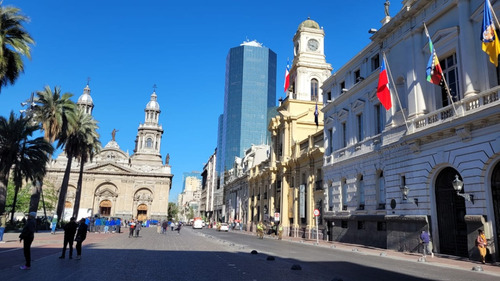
x=309 y=68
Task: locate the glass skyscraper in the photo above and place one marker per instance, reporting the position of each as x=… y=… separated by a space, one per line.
x=249 y=94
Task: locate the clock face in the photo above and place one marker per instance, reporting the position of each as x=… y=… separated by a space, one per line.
x=313 y=44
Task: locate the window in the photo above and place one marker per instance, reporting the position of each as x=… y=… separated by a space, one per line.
x=381 y=190
x=319 y=180
x=361 y=225
x=330 y=140
x=149 y=142
x=344 y=134
x=342 y=87
x=375 y=62
x=361 y=193
x=314 y=90
x=450 y=72
x=360 y=132
x=344 y=195
x=343 y=224
x=329 y=96
x=357 y=76
x=379 y=119
x=381 y=226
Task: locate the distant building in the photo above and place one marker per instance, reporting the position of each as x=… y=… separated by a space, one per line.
x=209 y=185
x=190 y=197
x=250 y=91
x=116 y=184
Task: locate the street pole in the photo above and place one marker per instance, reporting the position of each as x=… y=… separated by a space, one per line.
x=317 y=233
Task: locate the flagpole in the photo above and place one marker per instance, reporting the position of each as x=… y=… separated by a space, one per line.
x=494 y=15
x=443 y=77
x=395 y=90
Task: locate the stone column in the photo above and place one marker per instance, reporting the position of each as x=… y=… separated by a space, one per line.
x=467 y=49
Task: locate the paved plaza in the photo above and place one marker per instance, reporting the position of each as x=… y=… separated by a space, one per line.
x=192 y=255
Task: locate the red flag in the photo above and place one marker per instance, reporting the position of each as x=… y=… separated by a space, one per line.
x=383 y=92
x=287 y=76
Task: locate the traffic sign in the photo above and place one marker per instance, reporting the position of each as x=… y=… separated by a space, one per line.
x=316 y=212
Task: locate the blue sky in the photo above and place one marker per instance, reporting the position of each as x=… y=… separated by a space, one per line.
x=126 y=47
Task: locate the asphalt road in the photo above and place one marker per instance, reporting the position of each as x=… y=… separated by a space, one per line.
x=209 y=255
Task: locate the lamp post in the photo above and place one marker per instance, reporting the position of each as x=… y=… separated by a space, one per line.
x=405 y=190
x=458 y=186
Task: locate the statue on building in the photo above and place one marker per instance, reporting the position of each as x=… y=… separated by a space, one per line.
x=113 y=134
x=386 y=6
x=167 y=159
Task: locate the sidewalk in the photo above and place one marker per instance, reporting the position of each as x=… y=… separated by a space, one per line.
x=438 y=259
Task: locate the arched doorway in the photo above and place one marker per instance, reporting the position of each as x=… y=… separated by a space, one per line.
x=451 y=213
x=142 y=212
x=495 y=197
x=105 y=208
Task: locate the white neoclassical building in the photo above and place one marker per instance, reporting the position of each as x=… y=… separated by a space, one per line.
x=390 y=174
x=116 y=184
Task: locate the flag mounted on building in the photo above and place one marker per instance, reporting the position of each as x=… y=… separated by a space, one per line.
x=316 y=114
x=383 y=92
x=491 y=44
x=433 y=72
x=287 y=75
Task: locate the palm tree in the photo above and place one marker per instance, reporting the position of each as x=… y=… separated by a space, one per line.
x=53 y=110
x=87 y=129
x=28 y=156
x=15 y=42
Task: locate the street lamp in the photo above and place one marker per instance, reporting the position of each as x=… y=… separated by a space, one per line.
x=458 y=186
x=405 y=190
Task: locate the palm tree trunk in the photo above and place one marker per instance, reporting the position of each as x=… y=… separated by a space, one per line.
x=4 y=180
x=16 y=191
x=64 y=189
x=78 y=194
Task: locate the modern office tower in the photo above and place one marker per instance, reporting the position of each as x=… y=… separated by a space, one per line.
x=250 y=90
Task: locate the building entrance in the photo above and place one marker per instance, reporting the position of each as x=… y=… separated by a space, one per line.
x=105 y=208
x=142 y=212
x=451 y=213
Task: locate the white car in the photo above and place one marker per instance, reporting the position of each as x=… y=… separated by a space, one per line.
x=197 y=224
x=224 y=227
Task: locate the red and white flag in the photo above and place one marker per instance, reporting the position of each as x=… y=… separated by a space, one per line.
x=287 y=76
x=383 y=92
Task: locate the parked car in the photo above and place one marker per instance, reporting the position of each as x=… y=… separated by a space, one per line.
x=224 y=227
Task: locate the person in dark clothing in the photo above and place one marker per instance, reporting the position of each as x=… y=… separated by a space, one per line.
x=69 y=234
x=80 y=237
x=28 y=234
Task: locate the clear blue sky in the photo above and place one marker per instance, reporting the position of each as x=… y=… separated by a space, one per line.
x=126 y=47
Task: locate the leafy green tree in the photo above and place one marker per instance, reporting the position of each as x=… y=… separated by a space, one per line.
x=26 y=156
x=55 y=112
x=173 y=210
x=86 y=132
x=14 y=43
x=23 y=198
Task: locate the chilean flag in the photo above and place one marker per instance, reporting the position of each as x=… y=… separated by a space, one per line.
x=287 y=76
x=383 y=92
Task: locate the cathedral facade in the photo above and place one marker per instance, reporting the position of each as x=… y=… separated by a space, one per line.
x=116 y=184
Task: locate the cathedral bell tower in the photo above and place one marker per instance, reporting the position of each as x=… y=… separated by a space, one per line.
x=85 y=102
x=309 y=68
x=149 y=134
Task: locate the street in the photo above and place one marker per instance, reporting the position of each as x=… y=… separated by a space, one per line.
x=210 y=255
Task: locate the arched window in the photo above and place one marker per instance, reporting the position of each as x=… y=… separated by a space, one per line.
x=314 y=89
x=381 y=190
x=344 y=194
x=361 y=192
x=149 y=142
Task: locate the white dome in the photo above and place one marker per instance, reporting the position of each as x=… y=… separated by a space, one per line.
x=85 y=98
x=153 y=104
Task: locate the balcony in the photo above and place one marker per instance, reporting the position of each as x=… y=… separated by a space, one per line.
x=463 y=107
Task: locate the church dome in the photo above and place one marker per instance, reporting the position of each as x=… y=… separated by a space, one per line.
x=309 y=23
x=153 y=104
x=85 y=98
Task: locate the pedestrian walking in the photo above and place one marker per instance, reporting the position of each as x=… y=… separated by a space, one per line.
x=98 y=224
x=280 y=232
x=425 y=240
x=69 y=235
x=131 y=226
x=481 y=244
x=27 y=236
x=179 y=225
x=138 y=226
x=80 y=237
x=53 y=225
x=172 y=225
x=260 y=230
